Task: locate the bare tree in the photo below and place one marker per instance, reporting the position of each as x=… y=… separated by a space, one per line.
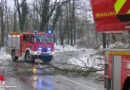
x=36 y=20
x=2 y=9
x=15 y=20
x=46 y=10
x=22 y=10
x=74 y=22
x=57 y=15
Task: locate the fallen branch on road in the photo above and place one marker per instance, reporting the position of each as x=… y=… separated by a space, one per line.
x=82 y=72
x=84 y=69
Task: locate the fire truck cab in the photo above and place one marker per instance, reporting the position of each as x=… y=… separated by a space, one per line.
x=31 y=46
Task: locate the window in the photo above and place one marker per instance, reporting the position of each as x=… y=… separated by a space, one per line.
x=30 y=38
x=44 y=38
x=24 y=38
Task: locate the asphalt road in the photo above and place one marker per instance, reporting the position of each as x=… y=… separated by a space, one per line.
x=38 y=76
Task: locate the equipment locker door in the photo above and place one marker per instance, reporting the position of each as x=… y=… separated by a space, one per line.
x=116 y=72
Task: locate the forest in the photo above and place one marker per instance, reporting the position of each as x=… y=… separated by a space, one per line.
x=70 y=20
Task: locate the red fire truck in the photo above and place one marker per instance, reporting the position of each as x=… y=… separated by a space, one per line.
x=32 y=46
x=113 y=16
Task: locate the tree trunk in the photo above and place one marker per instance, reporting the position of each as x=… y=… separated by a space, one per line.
x=2 y=30
x=61 y=32
x=104 y=40
x=71 y=23
x=15 y=21
x=2 y=22
x=74 y=25
x=68 y=25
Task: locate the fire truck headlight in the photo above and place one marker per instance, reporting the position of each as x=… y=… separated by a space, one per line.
x=35 y=53
x=52 y=53
x=128 y=66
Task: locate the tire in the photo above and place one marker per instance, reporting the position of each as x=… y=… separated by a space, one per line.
x=33 y=61
x=14 y=57
x=28 y=58
x=127 y=84
x=128 y=87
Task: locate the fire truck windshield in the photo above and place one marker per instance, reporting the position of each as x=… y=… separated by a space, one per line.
x=43 y=38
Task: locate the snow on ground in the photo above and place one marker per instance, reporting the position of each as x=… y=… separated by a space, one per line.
x=3 y=54
x=88 y=58
x=119 y=45
x=84 y=58
x=60 y=48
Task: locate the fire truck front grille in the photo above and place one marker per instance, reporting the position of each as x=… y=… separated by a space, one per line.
x=44 y=50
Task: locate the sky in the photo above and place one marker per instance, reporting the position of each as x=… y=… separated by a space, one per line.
x=11 y=3
x=84 y=2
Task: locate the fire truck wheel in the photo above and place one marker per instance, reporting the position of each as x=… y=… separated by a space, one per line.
x=33 y=61
x=14 y=57
x=28 y=58
x=127 y=84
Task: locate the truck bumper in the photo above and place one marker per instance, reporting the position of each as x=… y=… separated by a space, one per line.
x=36 y=53
x=42 y=55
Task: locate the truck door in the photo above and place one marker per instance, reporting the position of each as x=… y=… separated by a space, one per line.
x=116 y=72
x=30 y=42
x=27 y=42
x=24 y=43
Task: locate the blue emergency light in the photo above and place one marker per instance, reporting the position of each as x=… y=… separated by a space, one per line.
x=50 y=31
x=35 y=31
x=6 y=40
x=48 y=49
x=40 y=48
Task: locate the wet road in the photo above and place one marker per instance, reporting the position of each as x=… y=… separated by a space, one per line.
x=38 y=76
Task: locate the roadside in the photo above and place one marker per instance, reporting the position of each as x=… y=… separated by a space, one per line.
x=27 y=76
x=80 y=59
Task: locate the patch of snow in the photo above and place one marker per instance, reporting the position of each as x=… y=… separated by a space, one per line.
x=88 y=58
x=3 y=54
x=100 y=72
x=84 y=58
x=119 y=45
x=60 y=48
